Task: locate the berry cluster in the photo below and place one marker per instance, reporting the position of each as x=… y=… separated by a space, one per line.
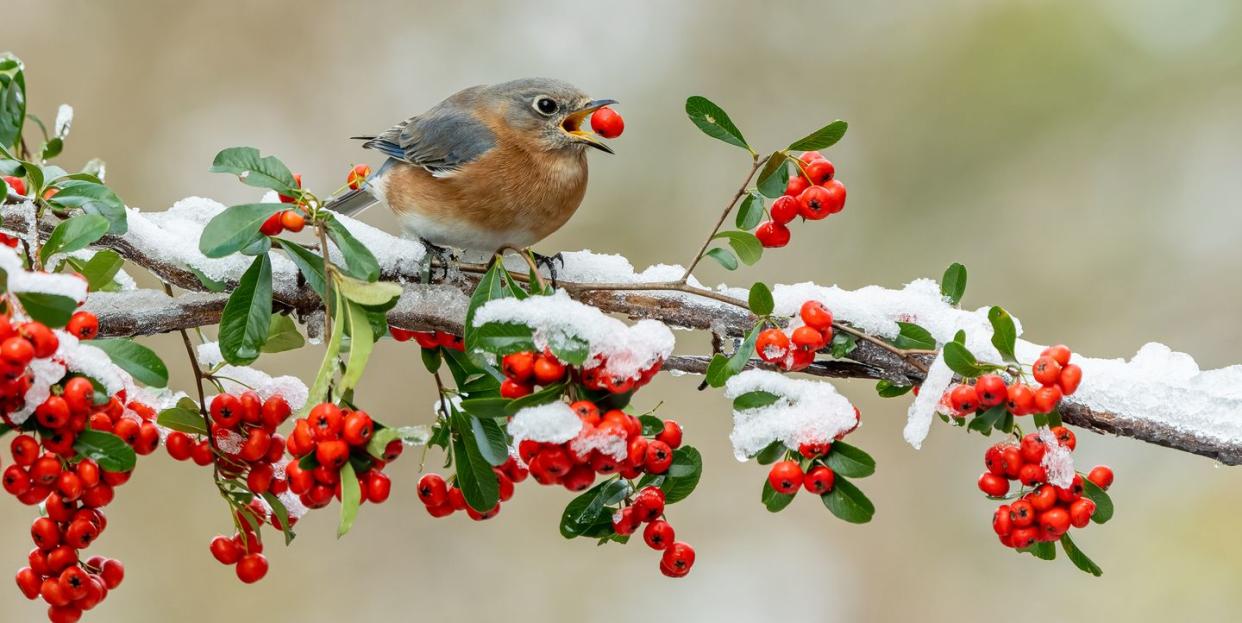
x=795 y=347
x=525 y=370
x=1045 y=511
x=429 y=339
x=357 y=176
x=286 y=220
x=1053 y=371
x=323 y=442
x=575 y=463
x=647 y=506
x=244 y=428
x=812 y=194
x=607 y=123
x=442 y=498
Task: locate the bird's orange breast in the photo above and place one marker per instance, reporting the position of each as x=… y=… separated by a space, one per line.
x=511 y=188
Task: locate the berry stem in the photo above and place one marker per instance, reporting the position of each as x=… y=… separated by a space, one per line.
x=758 y=162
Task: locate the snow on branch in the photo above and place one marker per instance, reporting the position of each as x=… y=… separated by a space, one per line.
x=1180 y=407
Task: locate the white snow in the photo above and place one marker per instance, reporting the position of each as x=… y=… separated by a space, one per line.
x=923 y=408
x=612 y=444
x=588 y=267
x=558 y=319
x=237 y=379
x=64 y=119
x=1058 y=460
x=807 y=412
x=46 y=372
x=553 y=422
x=21 y=280
x=71 y=355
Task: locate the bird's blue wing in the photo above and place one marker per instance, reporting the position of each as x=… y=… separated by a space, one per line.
x=442 y=140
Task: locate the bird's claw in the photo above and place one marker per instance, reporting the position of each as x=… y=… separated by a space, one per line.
x=441 y=254
x=549 y=262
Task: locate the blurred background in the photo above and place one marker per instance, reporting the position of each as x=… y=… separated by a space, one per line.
x=1081 y=158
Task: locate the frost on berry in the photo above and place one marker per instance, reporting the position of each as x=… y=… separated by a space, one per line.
x=554 y=422
x=1058 y=460
x=807 y=412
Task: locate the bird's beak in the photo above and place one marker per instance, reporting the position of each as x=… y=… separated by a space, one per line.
x=572 y=125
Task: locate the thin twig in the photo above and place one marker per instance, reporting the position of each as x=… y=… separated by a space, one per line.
x=198 y=371
x=723 y=215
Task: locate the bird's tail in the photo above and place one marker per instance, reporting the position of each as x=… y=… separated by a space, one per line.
x=351 y=202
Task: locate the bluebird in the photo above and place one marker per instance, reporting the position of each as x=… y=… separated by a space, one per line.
x=489 y=167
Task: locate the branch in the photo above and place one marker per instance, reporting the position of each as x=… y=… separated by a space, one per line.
x=441 y=306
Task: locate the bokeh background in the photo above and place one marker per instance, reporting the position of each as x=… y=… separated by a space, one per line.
x=1081 y=158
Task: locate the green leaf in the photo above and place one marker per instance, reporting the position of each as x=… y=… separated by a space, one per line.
x=1004 y=334
x=953 y=284
x=590 y=508
x=961 y=360
x=367 y=293
x=247 y=315
x=100 y=269
x=683 y=475
x=822 y=138
x=283 y=335
x=413 y=435
x=714 y=122
x=52 y=148
x=310 y=264
x=750 y=213
x=745 y=244
x=847 y=502
x=359 y=262
x=848 y=461
x=431 y=359
x=136 y=359
x=842 y=345
x=267 y=172
x=487 y=407
x=502 y=338
x=986 y=421
x=771 y=453
x=717 y=370
x=181 y=419
x=887 y=389
x=717 y=374
x=319 y=389
x=92 y=198
x=754 y=400
x=572 y=351
x=912 y=336
x=652 y=425
x=491 y=439
x=491 y=286
x=760 y=299
x=1077 y=556
x=282 y=515
x=235 y=228
x=541 y=397
x=774 y=176
x=52 y=310
x=107 y=449
x=723 y=257
x=73 y=234
x=474 y=474
x=1042 y=550
x=1103 y=503
x=12 y=100
x=773 y=500
x=361 y=343
x=351 y=499
x=210 y=284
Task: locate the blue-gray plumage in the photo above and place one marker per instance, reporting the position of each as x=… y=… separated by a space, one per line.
x=491 y=166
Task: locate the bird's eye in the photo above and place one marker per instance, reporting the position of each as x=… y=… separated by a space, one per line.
x=545 y=105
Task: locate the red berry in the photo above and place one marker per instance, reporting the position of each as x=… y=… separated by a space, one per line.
x=1080 y=512
x=17 y=351
x=1047 y=399
x=607 y=123
x=772 y=235
x=28 y=582
x=432 y=490
x=659 y=457
x=357 y=176
x=820 y=171
x=1032 y=448
x=835 y=200
x=624 y=522
x=993 y=485
x=1059 y=352
x=1043 y=498
x=332 y=453
x=24 y=449
x=226 y=550
x=819 y=480
x=510 y=388
x=74 y=582
x=1101 y=476
x=45 y=533
x=817 y=316
x=808 y=157
x=991 y=390
x=796 y=185
x=1046 y=370
x=671 y=434
x=992 y=459
x=648 y=504
x=15 y=184
x=1022 y=514
x=1002 y=522
x=963 y=399
x=815 y=203
x=226 y=410
x=548 y=370
x=1071 y=376
x=772 y=345
x=785 y=477
x=378 y=487
x=1072 y=493
x=272 y=226
x=326 y=421
x=80 y=394
x=784 y=209
x=84 y=325
x=659 y=534
x=1021 y=399
x=113 y=573
x=1032 y=474
x=1065 y=437
x=251 y=568
x=808 y=339
x=358 y=429
x=44 y=341
x=16 y=480
x=518 y=366
x=677 y=560
x=1054 y=523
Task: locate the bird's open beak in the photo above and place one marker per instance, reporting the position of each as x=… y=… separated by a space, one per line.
x=572 y=125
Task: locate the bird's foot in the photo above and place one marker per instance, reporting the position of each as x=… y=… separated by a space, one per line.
x=440 y=254
x=549 y=262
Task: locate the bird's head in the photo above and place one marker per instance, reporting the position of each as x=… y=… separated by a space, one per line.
x=551 y=113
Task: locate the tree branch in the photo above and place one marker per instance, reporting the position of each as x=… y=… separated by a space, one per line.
x=441 y=307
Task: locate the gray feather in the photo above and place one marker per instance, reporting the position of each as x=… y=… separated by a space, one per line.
x=441 y=140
